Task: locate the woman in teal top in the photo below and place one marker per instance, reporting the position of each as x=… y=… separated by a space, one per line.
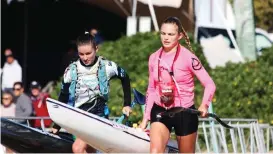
x=85 y=85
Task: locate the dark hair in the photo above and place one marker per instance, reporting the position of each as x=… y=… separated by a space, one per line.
x=176 y=21
x=86 y=39
x=7 y=93
x=19 y=83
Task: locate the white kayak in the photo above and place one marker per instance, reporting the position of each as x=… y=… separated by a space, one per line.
x=103 y=134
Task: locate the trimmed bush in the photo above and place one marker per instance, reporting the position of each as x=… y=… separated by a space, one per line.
x=245 y=90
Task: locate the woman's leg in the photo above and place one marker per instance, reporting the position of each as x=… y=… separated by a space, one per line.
x=79 y=146
x=159 y=136
x=186 y=126
x=186 y=144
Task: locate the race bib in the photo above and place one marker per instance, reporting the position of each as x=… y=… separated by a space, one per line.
x=166 y=91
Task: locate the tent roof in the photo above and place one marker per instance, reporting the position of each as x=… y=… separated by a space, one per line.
x=163 y=9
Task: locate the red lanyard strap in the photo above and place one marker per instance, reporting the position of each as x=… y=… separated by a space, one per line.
x=175 y=57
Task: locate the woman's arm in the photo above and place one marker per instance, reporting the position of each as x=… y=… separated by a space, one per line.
x=126 y=87
x=196 y=67
x=150 y=94
x=64 y=95
x=115 y=71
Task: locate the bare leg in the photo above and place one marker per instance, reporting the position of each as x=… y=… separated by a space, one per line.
x=186 y=144
x=159 y=136
x=79 y=146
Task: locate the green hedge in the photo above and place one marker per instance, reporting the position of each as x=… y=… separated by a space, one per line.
x=246 y=90
x=243 y=90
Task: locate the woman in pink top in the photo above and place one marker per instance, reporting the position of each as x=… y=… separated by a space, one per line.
x=171 y=84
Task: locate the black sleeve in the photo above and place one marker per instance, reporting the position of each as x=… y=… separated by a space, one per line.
x=125 y=81
x=63 y=97
x=64 y=94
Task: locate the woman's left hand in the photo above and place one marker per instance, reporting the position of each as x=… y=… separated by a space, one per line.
x=204 y=110
x=126 y=110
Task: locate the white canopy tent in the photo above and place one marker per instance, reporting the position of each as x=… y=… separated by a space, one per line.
x=158 y=10
x=164 y=3
x=192 y=13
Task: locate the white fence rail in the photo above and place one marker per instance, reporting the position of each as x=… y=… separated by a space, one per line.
x=248 y=136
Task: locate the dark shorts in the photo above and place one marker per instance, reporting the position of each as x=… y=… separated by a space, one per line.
x=184 y=123
x=100 y=108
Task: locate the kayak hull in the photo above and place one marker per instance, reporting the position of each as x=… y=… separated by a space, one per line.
x=100 y=133
x=25 y=139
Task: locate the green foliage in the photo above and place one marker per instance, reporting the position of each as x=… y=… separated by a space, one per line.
x=242 y=90
x=264 y=14
x=245 y=90
x=55 y=93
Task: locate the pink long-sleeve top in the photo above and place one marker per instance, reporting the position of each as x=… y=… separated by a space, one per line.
x=185 y=67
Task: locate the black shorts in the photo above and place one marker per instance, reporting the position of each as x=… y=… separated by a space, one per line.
x=184 y=123
x=99 y=109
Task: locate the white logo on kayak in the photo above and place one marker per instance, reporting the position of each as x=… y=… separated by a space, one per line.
x=55 y=106
x=118 y=126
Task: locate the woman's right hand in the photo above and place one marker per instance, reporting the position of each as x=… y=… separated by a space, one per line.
x=143 y=124
x=54 y=130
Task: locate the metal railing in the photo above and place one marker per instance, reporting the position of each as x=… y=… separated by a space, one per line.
x=247 y=136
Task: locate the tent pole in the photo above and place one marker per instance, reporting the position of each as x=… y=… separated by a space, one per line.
x=229 y=31
x=25 y=43
x=152 y=11
x=122 y=8
x=134 y=8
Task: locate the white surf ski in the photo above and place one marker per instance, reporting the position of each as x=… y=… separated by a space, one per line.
x=100 y=133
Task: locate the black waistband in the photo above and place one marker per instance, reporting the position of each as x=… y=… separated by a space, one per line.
x=162 y=108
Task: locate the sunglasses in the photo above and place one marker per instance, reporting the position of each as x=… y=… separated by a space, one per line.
x=16 y=89
x=5 y=98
